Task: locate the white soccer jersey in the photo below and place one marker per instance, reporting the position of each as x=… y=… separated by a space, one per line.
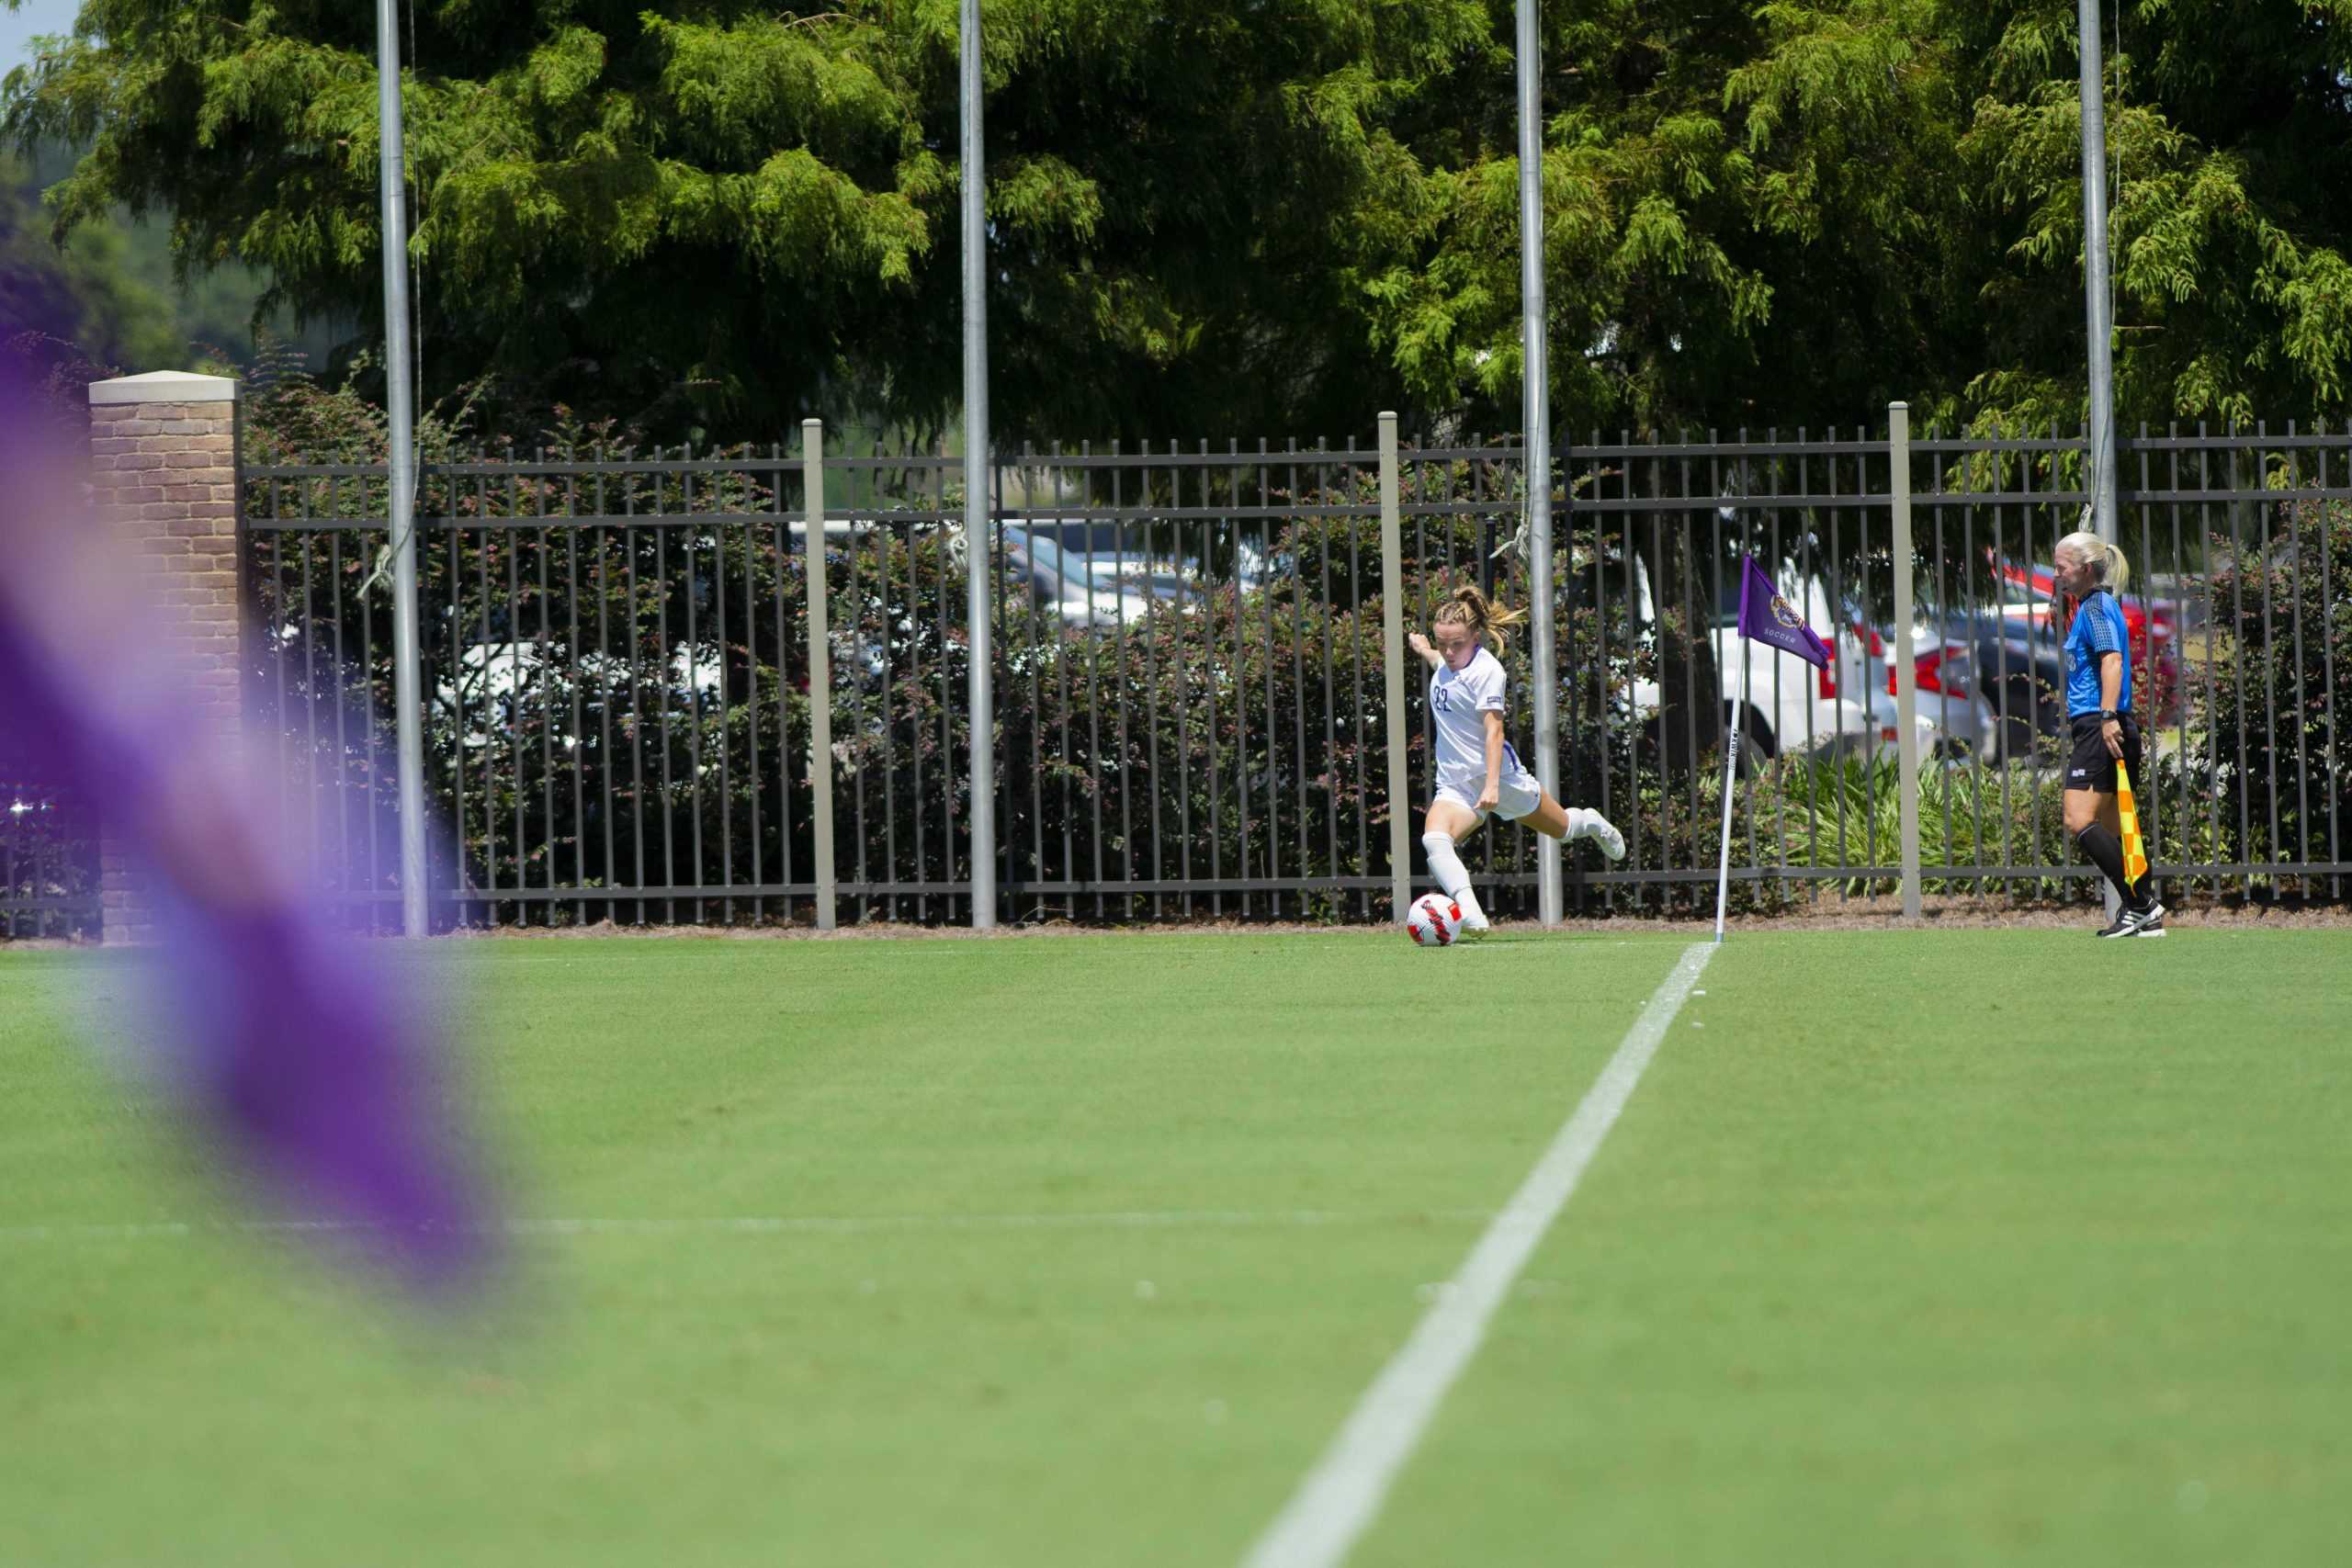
x=1459 y=702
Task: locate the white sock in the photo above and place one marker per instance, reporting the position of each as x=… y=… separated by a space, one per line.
x=1579 y=821
x=1446 y=866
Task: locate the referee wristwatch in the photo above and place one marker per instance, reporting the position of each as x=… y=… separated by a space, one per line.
x=2108 y=713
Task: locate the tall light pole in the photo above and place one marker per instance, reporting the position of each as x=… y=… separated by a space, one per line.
x=2097 y=310
x=977 y=557
x=1536 y=398
x=400 y=410
x=2097 y=307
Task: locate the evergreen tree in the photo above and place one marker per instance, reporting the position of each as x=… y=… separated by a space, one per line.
x=1751 y=218
x=2230 y=149
x=729 y=215
x=85 y=294
x=1210 y=218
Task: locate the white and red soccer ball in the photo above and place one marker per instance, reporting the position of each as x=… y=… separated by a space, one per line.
x=1434 y=920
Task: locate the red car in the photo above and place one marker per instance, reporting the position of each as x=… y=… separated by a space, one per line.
x=2155 y=662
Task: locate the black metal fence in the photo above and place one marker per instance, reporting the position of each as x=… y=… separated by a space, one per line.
x=618 y=684
x=49 y=862
x=1191 y=651
x=2240 y=626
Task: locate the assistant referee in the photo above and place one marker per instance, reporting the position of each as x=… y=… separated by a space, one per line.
x=2098 y=710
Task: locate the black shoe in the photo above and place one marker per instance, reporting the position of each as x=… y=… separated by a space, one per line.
x=2149 y=921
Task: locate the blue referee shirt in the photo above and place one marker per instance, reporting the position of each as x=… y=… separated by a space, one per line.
x=2099 y=629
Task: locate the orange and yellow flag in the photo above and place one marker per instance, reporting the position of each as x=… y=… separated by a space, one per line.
x=2135 y=849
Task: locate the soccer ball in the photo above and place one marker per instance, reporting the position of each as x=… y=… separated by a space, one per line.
x=1434 y=920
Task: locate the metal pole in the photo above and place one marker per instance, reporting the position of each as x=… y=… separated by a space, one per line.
x=1392 y=654
x=1537 y=396
x=2097 y=308
x=821 y=671
x=401 y=400
x=978 y=581
x=1907 y=679
x=1731 y=776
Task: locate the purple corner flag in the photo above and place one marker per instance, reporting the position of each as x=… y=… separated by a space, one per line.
x=1766 y=617
x=293 y=1049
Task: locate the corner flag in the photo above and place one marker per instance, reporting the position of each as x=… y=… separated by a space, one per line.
x=1767 y=617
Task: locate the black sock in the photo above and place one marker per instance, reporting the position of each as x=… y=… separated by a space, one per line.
x=2106 y=853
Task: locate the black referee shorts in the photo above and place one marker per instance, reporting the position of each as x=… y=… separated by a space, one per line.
x=2090 y=767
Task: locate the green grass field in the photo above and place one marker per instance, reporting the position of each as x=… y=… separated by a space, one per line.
x=1080 y=1250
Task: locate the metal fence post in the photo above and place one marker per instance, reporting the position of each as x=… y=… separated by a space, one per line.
x=1906 y=693
x=820 y=668
x=1392 y=642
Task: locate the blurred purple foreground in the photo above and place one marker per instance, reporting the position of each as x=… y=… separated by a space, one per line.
x=324 y=1094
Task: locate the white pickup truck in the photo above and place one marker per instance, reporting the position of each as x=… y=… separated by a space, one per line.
x=1847 y=709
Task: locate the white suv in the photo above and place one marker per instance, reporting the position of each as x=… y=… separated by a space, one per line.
x=1846 y=709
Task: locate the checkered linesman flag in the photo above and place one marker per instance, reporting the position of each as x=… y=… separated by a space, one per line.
x=2135 y=849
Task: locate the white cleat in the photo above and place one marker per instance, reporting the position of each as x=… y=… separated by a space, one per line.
x=1473 y=931
x=1603 y=831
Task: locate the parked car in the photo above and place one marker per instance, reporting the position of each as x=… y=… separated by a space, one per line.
x=2017 y=646
x=1848 y=708
x=1098 y=575
x=1948 y=693
x=1085 y=572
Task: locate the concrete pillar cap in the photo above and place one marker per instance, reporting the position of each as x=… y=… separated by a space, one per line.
x=164 y=386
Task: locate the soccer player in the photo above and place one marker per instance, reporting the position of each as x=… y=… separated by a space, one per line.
x=1477 y=771
x=2098 y=707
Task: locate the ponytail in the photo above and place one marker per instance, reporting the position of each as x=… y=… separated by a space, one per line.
x=2110 y=569
x=1469 y=607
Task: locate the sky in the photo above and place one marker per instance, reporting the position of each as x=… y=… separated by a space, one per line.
x=17 y=27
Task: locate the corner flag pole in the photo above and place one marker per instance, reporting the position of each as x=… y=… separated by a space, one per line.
x=1731 y=771
x=1767 y=618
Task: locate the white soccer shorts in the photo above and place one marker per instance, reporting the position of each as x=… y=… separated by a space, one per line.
x=1519 y=795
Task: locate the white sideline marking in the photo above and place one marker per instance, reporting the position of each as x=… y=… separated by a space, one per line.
x=776 y=1225
x=1342 y=1494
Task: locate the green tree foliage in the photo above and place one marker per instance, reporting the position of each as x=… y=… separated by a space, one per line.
x=749 y=211
x=1216 y=218
x=1747 y=220
x=85 y=294
x=113 y=294
x=2230 y=146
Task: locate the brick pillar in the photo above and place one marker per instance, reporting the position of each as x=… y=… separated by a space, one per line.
x=164 y=462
